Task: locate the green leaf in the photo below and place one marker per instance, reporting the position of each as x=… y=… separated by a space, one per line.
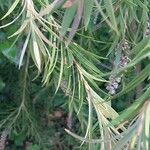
x=136 y=81
x=18 y=138
x=111 y=13
x=11 y=9
x=36 y=51
x=51 y=7
x=67 y=19
x=33 y=147
x=88 y=6
x=70 y=58
x=4 y=45
x=76 y=21
x=145 y=52
x=141 y=45
x=131 y=111
x=61 y=69
x=9 y=50
x=147 y=126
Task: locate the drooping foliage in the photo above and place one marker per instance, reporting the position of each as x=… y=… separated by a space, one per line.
x=75 y=69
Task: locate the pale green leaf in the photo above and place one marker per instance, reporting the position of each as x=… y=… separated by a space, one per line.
x=88 y=7
x=11 y=9
x=67 y=19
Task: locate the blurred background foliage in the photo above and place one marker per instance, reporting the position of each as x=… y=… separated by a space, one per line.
x=71 y=71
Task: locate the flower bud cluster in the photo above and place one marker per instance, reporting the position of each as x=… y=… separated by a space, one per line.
x=148 y=27
x=113 y=84
x=123 y=61
x=125 y=45
x=114 y=81
x=95 y=18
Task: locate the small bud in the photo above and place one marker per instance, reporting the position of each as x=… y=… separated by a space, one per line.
x=115 y=85
x=114 y=81
x=111 y=77
x=95 y=18
x=148 y=27
x=112 y=91
x=125 y=45
x=123 y=61
x=118 y=79
x=112 y=85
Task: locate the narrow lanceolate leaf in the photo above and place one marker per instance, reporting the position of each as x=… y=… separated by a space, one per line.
x=131 y=111
x=83 y=139
x=36 y=53
x=105 y=17
x=141 y=45
x=21 y=29
x=15 y=19
x=88 y=6
x=90 y=76
x=140 y=56
x=61 y=69
x=67 y=19
x=111 y=14
x=135 y=82
x=76 y=21
x=51 y=7
x=24 y=48
x=147 y=126
x=139 y=52
x=11 y=9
